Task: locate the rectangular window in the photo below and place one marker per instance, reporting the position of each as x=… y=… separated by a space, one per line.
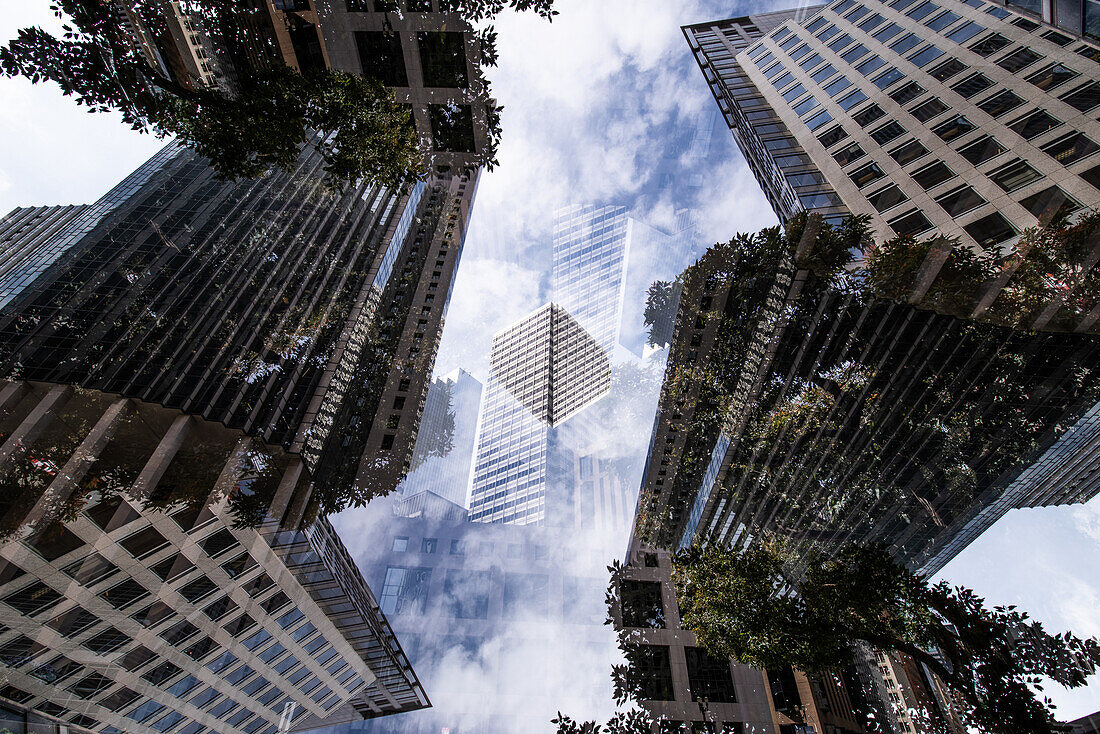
x=887 y=198
x=867 y=115
x=818 y=120
x=965 y=32
x=400 y=544
x=1084 y=98
x=990 y=230
x=856 y=14
x=854 y=53
x=848 y=154
x=810 y=62
x=837 y=87
x=866 y=174
x=1058 y=39
x=871 y=21
x=959 y=201
x=990 y=44
x=928 y=110
x=831 y=137
x=944 y=71
x=1033 y=124
x=908 y=152
x=1070 y=148
x=828 y=32
x=840 y=42
x=852 y=100
x=870 y=66
x=783 y=81
x=404 y=590
x=973 y=84
x=1019 y=59
x=762 y=61
x=983 y=149
x=428 y=545
x=812 y=27
x=823 y=73
x=884 y=34
x=1000 y=103
x=885 y=79
x=443 y=59
x=806 y=105
x=1052 y=76
x=942 y=21
x=381 y=57
x=794 y=92
x=1050 y=204
x=907 y=92
x=774 y=70
x=954 y=128
x=926 y=56
x=887 y=132
x=1014 y=175
x=932 y=175
x=799 y=52
x=923 y=10
x=905 y=43
x=911 y=223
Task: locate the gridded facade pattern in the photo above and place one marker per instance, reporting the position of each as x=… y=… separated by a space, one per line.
x=543 y=370
x=591 y=248
x=136 y=598
x=954 y=117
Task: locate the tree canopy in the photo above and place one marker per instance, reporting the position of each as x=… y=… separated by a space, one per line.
x=741 y=604
x=263 y=113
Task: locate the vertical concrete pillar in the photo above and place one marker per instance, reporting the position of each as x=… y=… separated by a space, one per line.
x=34 y=424
x=165 y=451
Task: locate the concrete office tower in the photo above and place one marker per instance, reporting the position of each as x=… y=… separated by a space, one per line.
x=543 y=370
x=444 y=444
x=158 y=574
x=967 y=120
x=825 y=412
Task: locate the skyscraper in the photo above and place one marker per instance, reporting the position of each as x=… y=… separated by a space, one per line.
x=966 y=119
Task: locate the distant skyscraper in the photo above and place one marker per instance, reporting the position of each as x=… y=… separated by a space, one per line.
x=543 y=370
x=445 y=442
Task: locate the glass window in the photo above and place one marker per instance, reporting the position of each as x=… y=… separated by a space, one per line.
x=400 y=544
x=981 y=150
x=814 y=26
x=941 y=21
x=887 y=198
x=871 y=21
x=922 y=10
x=854 y=53
x=1019 y=59
x=1089 y=52
x=953 y=128
x=786 y=45
x=887 y=132
x=831 y=137
x=642 y=606
x=866 y=174
x=926 y=111
x=783 y=80
x=818 y=120
x=799 y=52
x=823 y=73
x=653 y=669
x=1033 y=124
x=1084 y=98
x=404 y=590
x=1060 y=39
x=526 y=594
x=840 y=42
x=1092 y=18
x=965 y=32
x=944 y=71
x=1014 y=175
x=908 y=152
x=884 y=34
x=794 y=92
x=828 y=32
x=870 y=66
x=1052 y=76
x=848 y=154
x=990 y=44
x=1050 y=204
x=926 y=56
x=907 y=92
x=960 y=200
x=1070 y=148
x=888 y=77
x=428 y=545
x=806 y=105
x=810 y=61
x=820 y=200
x=932 y=175
x=990 y=230
x=1000 y=103
x=765 y=60
x=837 y=87
x=867 y=115
x=905 y=43
x=775 y=69
x=971 y=85
x=911 y=224
x=858 y=12
x=381 y=57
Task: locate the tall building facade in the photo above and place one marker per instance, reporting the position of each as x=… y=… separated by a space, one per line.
x=968 y=120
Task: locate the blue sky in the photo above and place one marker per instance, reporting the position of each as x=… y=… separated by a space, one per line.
x=601 y=106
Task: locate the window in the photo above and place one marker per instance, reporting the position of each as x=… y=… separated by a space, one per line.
x=965 y=32
x=885 y=79
x=823 y=73
x=852 y=100
x=458 y=547
x=806 y=105
x=990 y=44
x=798 y=53
x=955 y=127
x=960 y=200
x=1070 y=148
x=1084 y=98
x=466 y=594
x=854 y=53
x=811 y=61
x=818 y=120
x=1052 y=76
x=837 y=87
x=840 y=42
x=908 y=152
x=1033 y=124
x=783 y=80
x=973 y=84
x=90 y=685
x=929 y=110
x=831 y=137
x=106 y=641
x=124 y=594
x=866 y=174
x=905 y=43
x=1014 y=175
x=428 y=545
x=981 y=150
x=198 y=589
x=218 y=543
x=990 y=230
x=827 y=32
x=887 y=132
x=1050 y=204
x=867 y=115
x=887 y=198
x=1000 y=103
x=794 y=92
x=654 y=671
x=452 y=130
x=932 y=175
x=1059 y=39
x=884 y=34
x=911 y=223
x=926 y=56
x=941 y=21
x=144 y=543
x=848 y=154
x=709 y=677
x=946 y=70
x=404 y=590
x=1019 y=59
x=870 y=66
x=871 y=21
x=923 y=10
x=641 y=604
x=381 y=57
x=907 y=92
x=32 y=599
x=811 y=178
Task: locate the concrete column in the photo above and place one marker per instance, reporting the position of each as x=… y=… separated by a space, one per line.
x=285 y=493
x=10 y=396
x=34 y=424
x=165 y=451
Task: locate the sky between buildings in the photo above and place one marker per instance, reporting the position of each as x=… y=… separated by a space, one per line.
x=603 y=106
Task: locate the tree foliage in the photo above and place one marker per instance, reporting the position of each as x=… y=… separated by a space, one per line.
x=741 y=604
